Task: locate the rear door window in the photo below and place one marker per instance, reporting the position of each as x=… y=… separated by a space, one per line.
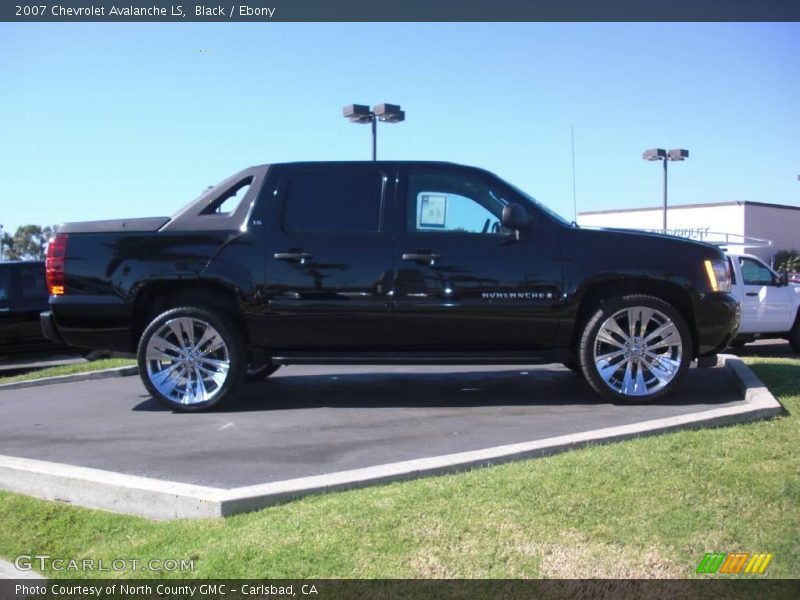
x=333 y=199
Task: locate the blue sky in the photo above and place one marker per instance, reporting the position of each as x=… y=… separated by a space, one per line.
x=123 y=120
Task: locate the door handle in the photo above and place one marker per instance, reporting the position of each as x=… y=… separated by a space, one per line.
x=426 y=257
x=751 y=294
x=297 y=256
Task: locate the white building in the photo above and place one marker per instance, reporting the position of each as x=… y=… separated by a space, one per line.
x=735 y=222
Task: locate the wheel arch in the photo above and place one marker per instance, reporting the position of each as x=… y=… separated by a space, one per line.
x=670 y=292
x=156 y=297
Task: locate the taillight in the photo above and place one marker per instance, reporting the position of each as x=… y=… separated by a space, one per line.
x=54 y=264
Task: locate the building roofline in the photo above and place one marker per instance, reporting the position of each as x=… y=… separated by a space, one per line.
x=696 y=205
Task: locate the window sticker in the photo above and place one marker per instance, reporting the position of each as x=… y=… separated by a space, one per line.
x=433 y=210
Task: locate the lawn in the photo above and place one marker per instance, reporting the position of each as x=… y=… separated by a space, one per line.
x=649 y=507
x=83 y=367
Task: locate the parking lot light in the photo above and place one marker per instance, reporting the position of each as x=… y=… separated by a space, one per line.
x=665 y=156
x=360 y=113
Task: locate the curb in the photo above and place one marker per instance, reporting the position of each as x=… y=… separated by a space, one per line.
x=159 y=499
x=102 y=374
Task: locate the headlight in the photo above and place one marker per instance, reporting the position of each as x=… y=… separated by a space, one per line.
x=719 y=275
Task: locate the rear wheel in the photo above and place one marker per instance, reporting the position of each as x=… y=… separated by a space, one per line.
x=191 y=358
x=635 y=349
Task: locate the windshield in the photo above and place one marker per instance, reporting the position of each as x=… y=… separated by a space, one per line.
x=541 y=206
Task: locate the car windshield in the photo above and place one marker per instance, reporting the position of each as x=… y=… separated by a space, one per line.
x=542 y=207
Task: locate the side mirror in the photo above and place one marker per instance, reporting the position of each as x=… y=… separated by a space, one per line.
x=783 y=278
x=516 y=218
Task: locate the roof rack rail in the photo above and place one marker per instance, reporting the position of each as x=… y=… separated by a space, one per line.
x=702 y=234
x=718 y=238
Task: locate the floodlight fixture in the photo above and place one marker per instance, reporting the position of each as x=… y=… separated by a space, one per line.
x=654 y=154
x=357 y=113
x=389 y=113
x=678 y=154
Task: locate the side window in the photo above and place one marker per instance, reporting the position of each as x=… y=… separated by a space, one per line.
x=754 y=273
x=227 y=202
x=333 y=200
x=34 y=285
x=449 y=202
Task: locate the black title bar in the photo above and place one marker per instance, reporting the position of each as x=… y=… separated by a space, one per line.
x=398 y=10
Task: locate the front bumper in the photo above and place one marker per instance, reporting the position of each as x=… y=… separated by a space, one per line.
x=717 y=319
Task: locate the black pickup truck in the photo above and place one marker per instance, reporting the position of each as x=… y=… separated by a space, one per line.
x=383 y=263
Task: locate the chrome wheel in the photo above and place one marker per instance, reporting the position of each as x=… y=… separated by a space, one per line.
x=187 y=361
x=638 y=351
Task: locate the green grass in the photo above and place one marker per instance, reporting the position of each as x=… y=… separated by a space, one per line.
x=85 y=367
x=649 y=507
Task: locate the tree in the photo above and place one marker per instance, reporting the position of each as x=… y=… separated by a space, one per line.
x=787 y=260
x=6 y=244
x=28 y=242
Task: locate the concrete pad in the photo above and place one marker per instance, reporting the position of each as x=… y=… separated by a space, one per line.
x=106 y=444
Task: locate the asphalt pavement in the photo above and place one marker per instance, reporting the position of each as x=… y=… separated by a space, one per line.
x=307 y=421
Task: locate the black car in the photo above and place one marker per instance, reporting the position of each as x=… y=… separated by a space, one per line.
x=383 y=263
x=23 y=296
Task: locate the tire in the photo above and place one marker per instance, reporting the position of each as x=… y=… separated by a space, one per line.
x=794 y=335
x=259 y=372
x=640 y=364
x=191 y=359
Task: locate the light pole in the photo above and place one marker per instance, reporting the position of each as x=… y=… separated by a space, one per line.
x=665 y=156
x=360 y=113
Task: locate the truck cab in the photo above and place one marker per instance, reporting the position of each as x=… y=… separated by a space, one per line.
x=769 y=302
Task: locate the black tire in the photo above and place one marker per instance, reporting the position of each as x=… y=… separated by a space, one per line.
x=257 y=373
x=185 y=373
x=643 y=370
x=794 y=335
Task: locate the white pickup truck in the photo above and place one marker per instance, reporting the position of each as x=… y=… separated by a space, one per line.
x=769 y=303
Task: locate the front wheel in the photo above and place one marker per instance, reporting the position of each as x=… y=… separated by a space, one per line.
x=191 y=359
x=794 y=335
x=635 y=349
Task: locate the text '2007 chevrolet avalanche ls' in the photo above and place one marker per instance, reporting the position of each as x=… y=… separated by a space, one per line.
x=383 y=263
